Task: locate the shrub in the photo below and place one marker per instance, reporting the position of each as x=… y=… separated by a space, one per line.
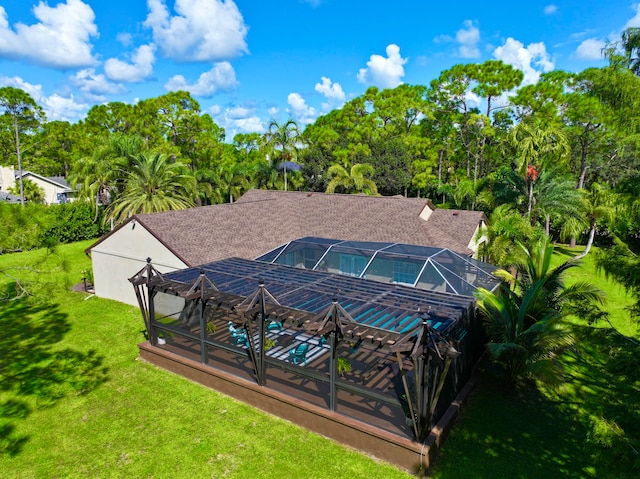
x=73 y=222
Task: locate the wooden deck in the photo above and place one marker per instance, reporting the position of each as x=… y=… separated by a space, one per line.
x=373 y=373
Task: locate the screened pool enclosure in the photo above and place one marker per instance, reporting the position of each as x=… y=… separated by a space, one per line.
x=383 y=333
x=423 y=267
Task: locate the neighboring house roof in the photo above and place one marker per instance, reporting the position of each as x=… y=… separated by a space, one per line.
x=8 y=197
x=58 y=181
x=262 y=220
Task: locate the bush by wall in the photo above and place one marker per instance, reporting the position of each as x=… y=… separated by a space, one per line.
x=34 y=226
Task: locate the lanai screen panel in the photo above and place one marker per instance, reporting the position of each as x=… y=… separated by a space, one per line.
x=389 y=307
x=304 y=253
x=424 y=267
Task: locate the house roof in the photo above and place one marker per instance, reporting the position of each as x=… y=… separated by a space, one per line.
x=58 y=181
x=262 y=220
x=8 y=197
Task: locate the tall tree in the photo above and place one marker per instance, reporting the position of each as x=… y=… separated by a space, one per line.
x=154 y=183
x=598 y=207
x=524 y=321
x=538 y=146
x=283 y=140
x=355 y=180
x=24 y=116
x=555 y=197
x=31 y=192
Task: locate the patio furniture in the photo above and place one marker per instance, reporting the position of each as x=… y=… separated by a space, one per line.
x=299 y=354
x=274 y=325
x=239 y=337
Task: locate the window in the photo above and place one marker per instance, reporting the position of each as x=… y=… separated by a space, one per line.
x=405 y=272
x=352 y=265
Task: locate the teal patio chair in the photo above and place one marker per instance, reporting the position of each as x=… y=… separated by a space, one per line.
x=239 y=337
x=274 y=325
x=298 y=354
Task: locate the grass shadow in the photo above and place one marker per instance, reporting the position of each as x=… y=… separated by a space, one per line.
x=513 y=433
x=587 y=428
x=35 y=371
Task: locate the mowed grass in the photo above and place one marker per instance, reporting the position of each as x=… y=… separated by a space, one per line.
x=75 y=401
x=589 y=428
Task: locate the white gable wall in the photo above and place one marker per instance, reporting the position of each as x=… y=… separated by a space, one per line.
x=50 y=189
x=479 y=237
x=123 y=254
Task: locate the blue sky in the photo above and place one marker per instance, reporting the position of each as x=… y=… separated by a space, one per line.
x=248 y=61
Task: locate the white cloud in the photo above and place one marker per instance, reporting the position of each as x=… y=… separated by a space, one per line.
x=635 y=21
x=202 y=30
x=222 y=77
x=59 y=40
x=384 y=72
x=472 y=99
x=140 y=68
x=237 y=119
x=64 y=108
x=332 y=92
x=125 y=39
x=550 y=9
x=532 y=60
x=95 y=86
x=468 y=38
x=239 y=113
x=56 y=107
x=443 y=39
x=300 y=111
x=590 y=49
x=273 y=111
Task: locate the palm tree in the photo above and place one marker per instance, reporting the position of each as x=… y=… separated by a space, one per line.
x=154 y=183
x=555 y=197
x=234 y=181
x=104 y=172
x=538 y=146
x=524 y=319
x=31 y=192
x=354 y=181
x=283 y=141
x=505 y=230
x=597 y=204
x=267 y=177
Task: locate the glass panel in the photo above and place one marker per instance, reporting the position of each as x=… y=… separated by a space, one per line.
x=301 y=255
x=368 y=245
x=486 y=267
x=350 y=262
x=271 y=255
x=186 y=276
x=466 y=270
x=456 y=284
x=413 y=250
x=394 y=269
x=431 y=280
x=177 y=312
x=315 y=240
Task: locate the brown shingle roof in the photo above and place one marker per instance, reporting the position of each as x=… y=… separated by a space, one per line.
x=262 y=220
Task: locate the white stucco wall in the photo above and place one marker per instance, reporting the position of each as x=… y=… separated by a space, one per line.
x=122 y=255
x=479 y=237
x=50 y=190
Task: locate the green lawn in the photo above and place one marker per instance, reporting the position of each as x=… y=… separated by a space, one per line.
x=590 y=427
x=76 y=402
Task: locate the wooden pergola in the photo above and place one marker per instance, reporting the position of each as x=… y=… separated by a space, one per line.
x=421 y=326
